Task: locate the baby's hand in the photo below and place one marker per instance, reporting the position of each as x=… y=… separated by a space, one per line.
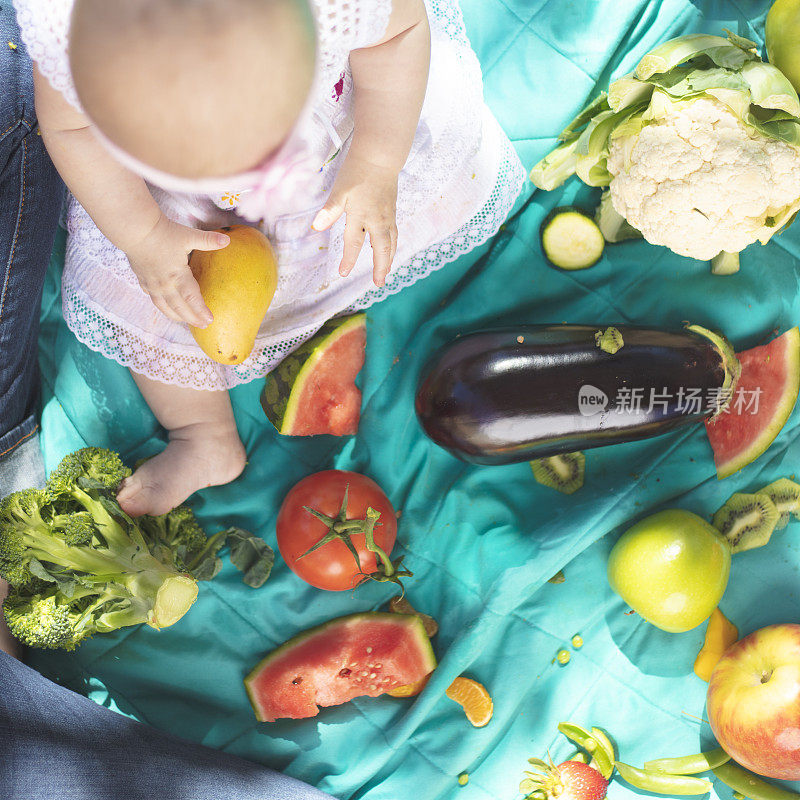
x=161 y=263
x=367 y=194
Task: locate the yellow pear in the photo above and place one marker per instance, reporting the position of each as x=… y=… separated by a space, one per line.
x=237 y=283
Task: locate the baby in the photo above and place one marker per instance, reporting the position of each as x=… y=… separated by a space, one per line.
x=326 y=123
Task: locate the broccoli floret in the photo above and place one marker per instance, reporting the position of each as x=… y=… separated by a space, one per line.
x=38 y=621
x=18 y=509
x=28 y=509
x=183 y=529
x=177 y=532
x=78 y=529
x=86 y=480
x=25 y=502
x=94 y=464
x=48 y=619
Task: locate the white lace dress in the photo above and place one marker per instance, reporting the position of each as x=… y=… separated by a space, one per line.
x=457 y=187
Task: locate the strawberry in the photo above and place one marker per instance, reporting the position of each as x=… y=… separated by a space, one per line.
x=571 y=780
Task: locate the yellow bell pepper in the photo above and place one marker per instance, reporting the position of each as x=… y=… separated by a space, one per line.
x=721 y=633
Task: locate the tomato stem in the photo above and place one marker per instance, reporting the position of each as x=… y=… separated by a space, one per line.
x=342 y=528
x=354 y=525
x=369 y=538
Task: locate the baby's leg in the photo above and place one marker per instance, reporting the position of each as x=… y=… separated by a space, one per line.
x=204 y=448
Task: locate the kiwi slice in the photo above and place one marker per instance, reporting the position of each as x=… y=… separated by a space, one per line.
x=746 y=521
x=563 y=473
x=610 y=340
x=785 y=494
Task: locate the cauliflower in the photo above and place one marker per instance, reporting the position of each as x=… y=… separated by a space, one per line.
x=699 y=148
x=701 y=182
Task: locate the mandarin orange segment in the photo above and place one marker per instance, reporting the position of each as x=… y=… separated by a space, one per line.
x=474 y=698
x=410 y=689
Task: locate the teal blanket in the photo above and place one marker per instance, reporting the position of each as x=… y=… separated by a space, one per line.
x=482 y=541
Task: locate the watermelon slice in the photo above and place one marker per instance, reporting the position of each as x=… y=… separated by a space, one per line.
x=361 y=654
x=762 y=402
x=313 y=389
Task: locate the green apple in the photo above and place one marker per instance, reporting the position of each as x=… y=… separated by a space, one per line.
x=782 y=33
x=671 y=568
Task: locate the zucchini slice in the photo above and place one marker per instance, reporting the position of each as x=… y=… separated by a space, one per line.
x=571 y=239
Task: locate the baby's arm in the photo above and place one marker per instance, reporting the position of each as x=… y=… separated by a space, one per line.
x=124 y=210
x=389 y=83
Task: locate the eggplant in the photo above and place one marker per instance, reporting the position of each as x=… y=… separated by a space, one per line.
x=517 y=394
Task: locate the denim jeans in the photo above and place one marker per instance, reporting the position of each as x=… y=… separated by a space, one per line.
x=31 y=195
x=22 y=468
x=55 y=744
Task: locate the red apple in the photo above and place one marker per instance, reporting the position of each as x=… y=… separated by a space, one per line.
x=754 y=701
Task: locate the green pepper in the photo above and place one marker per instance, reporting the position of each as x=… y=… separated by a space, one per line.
x=661 y=782
x=605 y=743
x=751 y=785
x=689 y=765
x=581 y=737
x=587 y=741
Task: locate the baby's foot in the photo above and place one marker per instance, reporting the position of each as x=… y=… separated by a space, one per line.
x=196 y=456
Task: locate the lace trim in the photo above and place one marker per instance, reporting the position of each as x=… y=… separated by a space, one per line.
x=185 y=365
x=99 y=330
x=345 y=25
x=44 y=25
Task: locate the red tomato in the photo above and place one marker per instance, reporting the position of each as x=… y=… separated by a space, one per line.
x=333 y=566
